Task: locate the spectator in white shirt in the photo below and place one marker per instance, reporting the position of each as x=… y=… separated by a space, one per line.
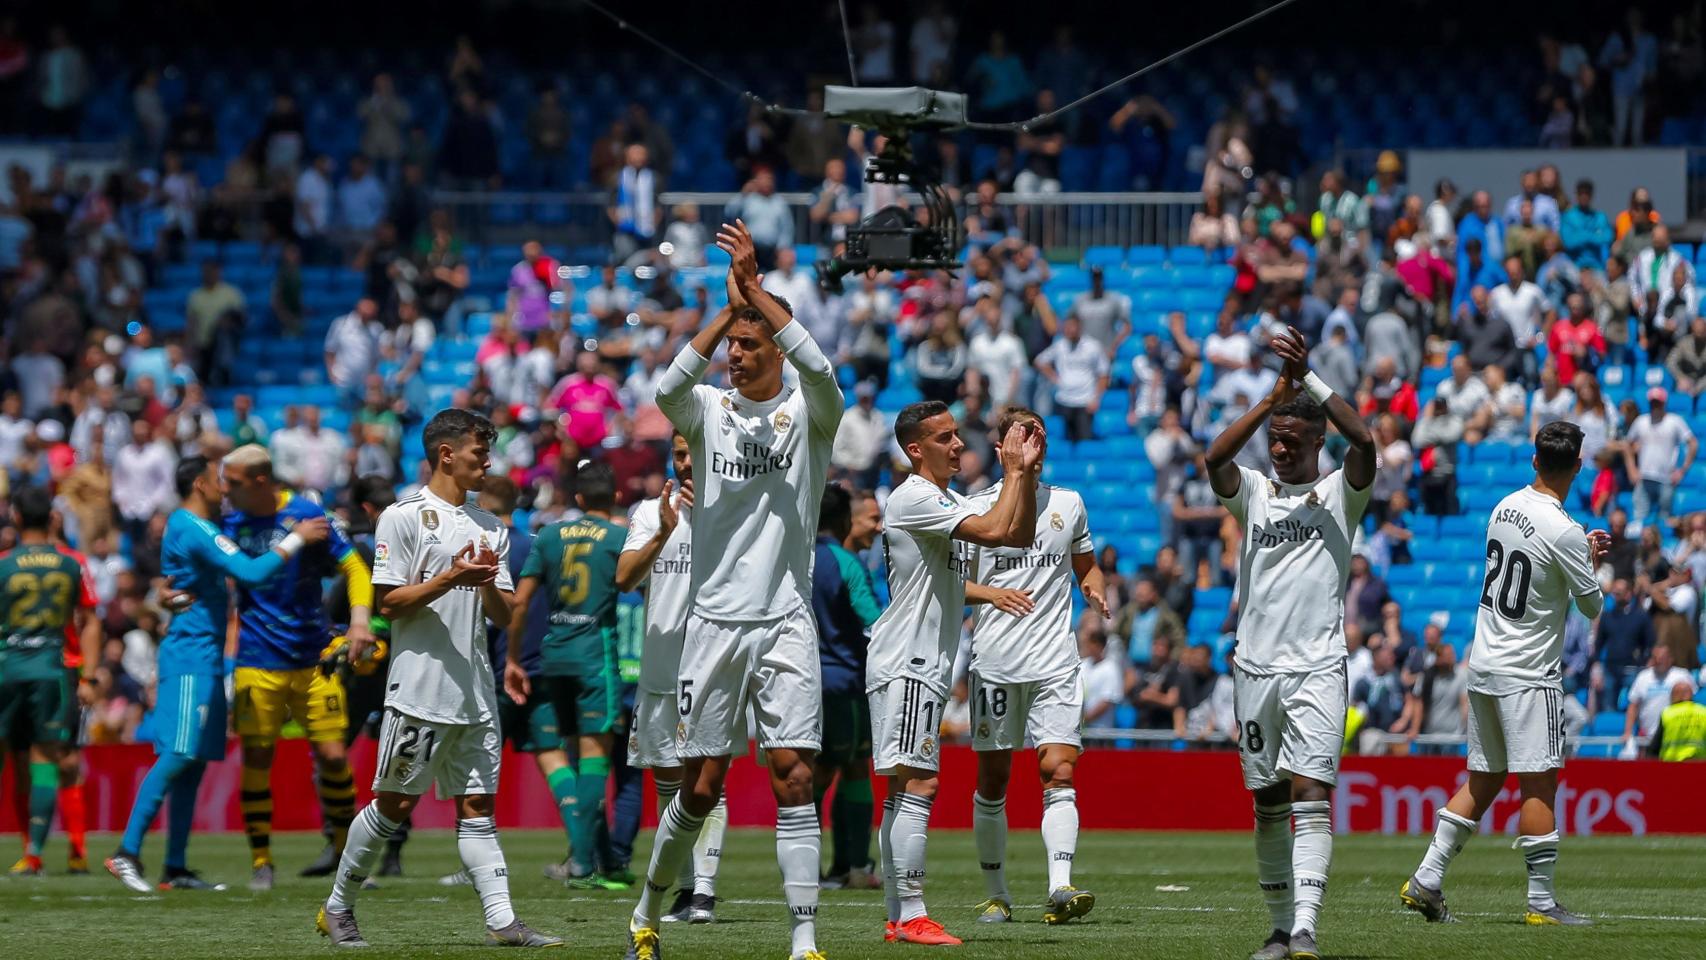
x=361 y=198
x=997 y=354
x=1553 y=401
x=793 y=284
x=1649 y=694
x=1653 y=269
x=1523 y=306
x=1078 y=368
x=873 y=46
x=323 y=463
x=40 y=375
x=1170 y=450
x=314 y=208
x=14 y=429
x=1106 y=314
x=142 y=479
x=861 y=438
x=1508 y=411
x=1149 y=371
x=1655 y=439
x=1227 y=348
x=1104 y=675
x=352 y=350
x=100 y=421
x=1465 y=395
x=932 y=43
x=285 y=447
x=685 y=236
x=1441 y=219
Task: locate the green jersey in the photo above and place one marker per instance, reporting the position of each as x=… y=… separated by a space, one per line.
x=40 y=591
x=576 y=564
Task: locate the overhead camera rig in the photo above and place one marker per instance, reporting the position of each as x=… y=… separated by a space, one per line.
x=892 y=238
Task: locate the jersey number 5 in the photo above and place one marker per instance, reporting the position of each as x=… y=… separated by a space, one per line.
x=1513 y=574
x=577 y=576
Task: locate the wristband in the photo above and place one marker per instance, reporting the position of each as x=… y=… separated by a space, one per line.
x=290 y=545
x=1317 y=388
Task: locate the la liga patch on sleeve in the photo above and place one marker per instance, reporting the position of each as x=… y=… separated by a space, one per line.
x=381 y=553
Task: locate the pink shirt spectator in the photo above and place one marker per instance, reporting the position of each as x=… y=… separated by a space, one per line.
x=586 y=403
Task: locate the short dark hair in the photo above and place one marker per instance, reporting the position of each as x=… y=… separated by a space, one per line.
x=502 y=491
x=189 y=469
x=1014 y=415
x=909 y=423
x=375 y=491
x=453 y=426
x=1558 y=448
x=835 y=511
x=595 y=486
x=34 y=506
x=1584 y=185
x=1302 y=408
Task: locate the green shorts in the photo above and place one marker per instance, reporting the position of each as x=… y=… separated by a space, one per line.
x=846 y=729
x=587 y=705
x=36 y=711
x=530 y=727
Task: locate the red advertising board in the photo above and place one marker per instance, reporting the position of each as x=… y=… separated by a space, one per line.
x=1118 y=789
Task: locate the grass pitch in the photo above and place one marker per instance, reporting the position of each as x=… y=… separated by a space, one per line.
x=1163 y=895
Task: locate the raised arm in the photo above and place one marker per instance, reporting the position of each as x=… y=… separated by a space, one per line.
x=249 y=571
x=646 y=539
x=1012 y=521
x=1222 y=471
x=824 y=399
x=1360 y=458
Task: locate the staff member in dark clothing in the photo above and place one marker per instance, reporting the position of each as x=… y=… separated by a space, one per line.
x=845 y=606
x=1622 y=642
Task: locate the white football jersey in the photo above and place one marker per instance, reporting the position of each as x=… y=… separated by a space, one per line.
x=1043 y=645
x=1537 y=565
x=440 y=669
x=758 y=477
x=1294 y=564
x=667 y=591
x=919 y=632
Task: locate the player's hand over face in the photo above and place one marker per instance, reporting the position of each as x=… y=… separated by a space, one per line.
x=1012 y=449
x=313 y=530
x=1032 y=446
x=1599 y=544
x=516 y=683
x=1015 y=602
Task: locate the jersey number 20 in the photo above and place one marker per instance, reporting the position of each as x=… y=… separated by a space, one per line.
x=1513 y=575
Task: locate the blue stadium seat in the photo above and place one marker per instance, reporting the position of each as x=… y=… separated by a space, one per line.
x=1145 y=256
x=1104 y=256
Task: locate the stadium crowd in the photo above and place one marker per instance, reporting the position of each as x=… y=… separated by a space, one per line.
x=1539 y=300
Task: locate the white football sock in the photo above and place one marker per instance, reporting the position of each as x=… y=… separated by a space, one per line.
x=1311 y=853
x=1273 y=862
x=885 y=858
x=911 y=832
x=1541 y=853
x=989 y=826
x=708 y=852
x=1450 y=835
x=1060 y=834
x=667 y=790
x=798 y=851
x=676 y=831
x=367 y=836
x=477 y=842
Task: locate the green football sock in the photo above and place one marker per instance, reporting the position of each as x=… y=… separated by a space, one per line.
x=44 y=795
x=852 y=811
x=562 y=784
x=589 y=809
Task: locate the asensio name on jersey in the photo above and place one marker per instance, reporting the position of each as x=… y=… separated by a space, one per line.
x=756 y=494
x=1293 y=567
x=1043 y=645
x=1537 y=566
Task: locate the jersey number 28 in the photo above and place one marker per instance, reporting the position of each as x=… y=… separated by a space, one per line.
x=1512 y=574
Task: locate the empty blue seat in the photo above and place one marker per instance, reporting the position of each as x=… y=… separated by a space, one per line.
x=1145 y=255
x=1104 y=256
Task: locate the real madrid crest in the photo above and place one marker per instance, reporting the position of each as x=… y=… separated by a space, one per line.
x=429 y=519
x=1056 y=522
x=782 y=421
x=928 y=747
x=681 y=733
x=983 y=730
x=1313 y=500
x=727 y=403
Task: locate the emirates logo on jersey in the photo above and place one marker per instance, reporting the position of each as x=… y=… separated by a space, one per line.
x=1287 y=531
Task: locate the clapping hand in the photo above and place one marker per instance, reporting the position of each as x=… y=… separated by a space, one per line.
x=1599 y=545
x=736 y=241
x=470 y=569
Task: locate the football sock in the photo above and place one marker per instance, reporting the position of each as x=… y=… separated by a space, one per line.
x=708 y=850
x=667 y=789
x=911 y=831
x=256 y=802
x=477 y=842
x=1541 y=853
x=336 y=783
x=73 y=818
x=588 y=840
x=150 y=797
x=798 y=853
x=562 y=784
x=180 y=815
x=989 y=827
x=1450 y=835
x=1060 y=834
x=852 y=818
x=885 y=859
x=44 y=790
x=672 y=845
x=1311 y=852
x=367 y=837
x=1273 y=862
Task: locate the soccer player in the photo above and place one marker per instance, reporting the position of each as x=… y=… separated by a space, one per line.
x=43 y=589
x=658 y=556
x=438 y=575
x=1025 y=684
x=1289 y=680
x=845 y=606
x=282 y=630
x=761 y=451
x=911 y=661
x=1539 y=562
x=189 y=709
x=573 y=565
